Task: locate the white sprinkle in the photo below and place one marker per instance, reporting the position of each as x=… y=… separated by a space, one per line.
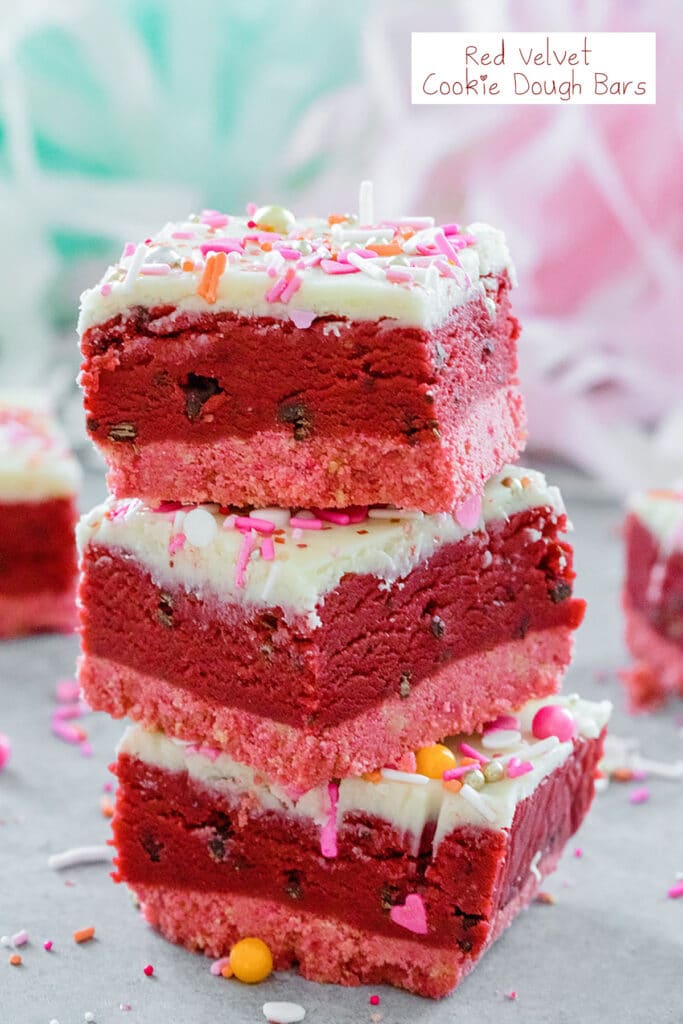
x=417 y=223
x=334 y=327
x=533 y=867
x=532 y=750
x=342 y=235
x=283 y=1013
x=368 y=266
x=499 y=739
x=89 y=1016
x=136 y=262
x=366 y=212
x=392 y=775
x=54 y=1021
x=80 y=855
x=395 y=513
x=477 y=801
x=5 y=940
x=199 y=527
x=279 y=517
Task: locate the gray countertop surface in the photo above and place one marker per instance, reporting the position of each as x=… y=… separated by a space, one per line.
x=610 y=949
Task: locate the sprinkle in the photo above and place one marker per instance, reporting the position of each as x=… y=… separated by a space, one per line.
x=553 y=720
x=15 y=960
x=335 y=267
x=226 y=970
x=511 y=995
x=302 y=318
x=274 y=293
x=444 y=246
x=293 y=285
x=5 y=750
x=397 y=275
x=283 y=1013
x=412 y=915
x=502 y=722
x=479 y=802
x=105 y=290
x=210 y=279
x=367 y=266
x=279 y=517
x=452 y=785
x=468 y=514
x=199 y=527
x=395 y=513
x=148 y=970
x=224 y=245
x=88 y=1017
x=366 y=213
x=20 y=938
x=183 y=234
x=417 y=223
x=304 y=522
x=267 y=549
x=84 y=935
x=214 y=219
x=546 y=898
x=328 y=833
x=136 y=262
x=176 y=543
x=128 y=249
x=249 y=543
x=676 y=890
x=578 y=852
x=457 y=773
x=392 y=775
x=47 y=945
x=476 y=754
x=516 y=768
x=639 y=796
x=218 y=965
x=79 y=855
x=106 y=807
x=498 y=739
x=155 y=269
x=374 y=1000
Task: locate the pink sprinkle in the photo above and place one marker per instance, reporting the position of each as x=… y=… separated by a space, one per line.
x=638 y=774
x=68 y=711
x=155 y=269
x=128 y=249
x=328 y=833
x=639 y=796
x=274 y=293
x=5 y=750
x=578 y=852
x=176 y=543
x=343 y=516
x=457 y=773
x=444 y=268
x=450 y=229
x=469 y=513
x=676 y=890
x=302 y=318
x=68 y=733
x=287 y=252
x=249 y=542
x=47 y=945
x=335 y=267
x=502 y=722
x=20 y=938
x=553 y=720
x=108 y=787
x=469 y=751
x=182 y=234
x=215 y=219
x=222 y=245
x=148 y=970
x=301 y=523
x=292 y=288
x=343 y=256
x=444 y=246
x=86 y=749
x=252 y=523
x=210 y=753
x=398 y=275
x=426 y=250
x=251 y=209
x=105 y=289
x=167 y=506
x=218 y=965
x=374 y=1000
x=267 y=549
x=512 y=995
x=516 y=768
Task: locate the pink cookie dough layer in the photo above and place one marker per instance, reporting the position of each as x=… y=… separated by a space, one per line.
x=272 y=468
x=461 y=696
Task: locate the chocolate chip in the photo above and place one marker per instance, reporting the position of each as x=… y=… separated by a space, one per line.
x=198 y=390
x=389 y=896
x=523 y=626
x=152 y=846
x=298 y=415
x=560 y=591
x=293 y=885
x=122 y=432
x=438 y=627
x=404 y=684
x=92 y=425
x=165 y=610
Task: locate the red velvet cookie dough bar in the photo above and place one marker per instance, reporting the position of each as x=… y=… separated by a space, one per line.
x=38 y=483
x=268 y=360
x=404 y=880
x=653 y=597
x=335 y=641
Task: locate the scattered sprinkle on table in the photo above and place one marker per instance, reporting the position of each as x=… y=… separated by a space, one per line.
x=283 y=1013
x=546 y=898
x=47 y=945
x=84 y=935
x=676 y=890
x=374 y=1000
x=20 y=938
x=15 y=960
x=578 y=852
x=148 y=970
x=80 y=855
x=511 y=994
x=639 y=796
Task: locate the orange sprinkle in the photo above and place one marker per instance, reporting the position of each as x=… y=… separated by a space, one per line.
x=213 y=271
x=452 y=785
x=188 y=266
x=267 y=246
x=391 y=249
x=279 y=540
x=84 y=935
x=622 y=775
x=227 y=971
x=545 y=897
x=372 y=776
x=469 y=760
x=107 y=807
x=15 y=960
x=336 y=218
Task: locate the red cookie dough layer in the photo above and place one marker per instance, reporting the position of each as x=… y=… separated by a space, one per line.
x=482 y=625
x=653 y=601
x=315 y=362
x=385 y=905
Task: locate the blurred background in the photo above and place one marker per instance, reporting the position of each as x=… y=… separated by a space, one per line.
x=118 y=116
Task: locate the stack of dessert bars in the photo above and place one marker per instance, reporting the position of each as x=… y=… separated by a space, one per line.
x=336 y=611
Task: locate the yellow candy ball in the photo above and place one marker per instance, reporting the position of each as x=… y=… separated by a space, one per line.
x=251 y=960
x=435 y=760
x=274 y=218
